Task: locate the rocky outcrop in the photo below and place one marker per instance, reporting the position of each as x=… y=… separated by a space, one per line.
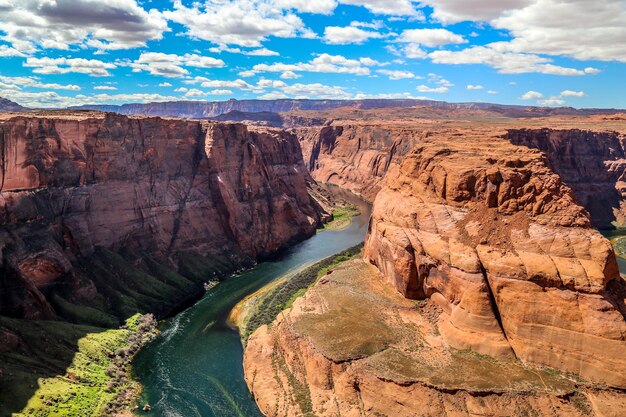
x=356 y=156
x=75 y=187
x=592 y=163
x=491 y=234
x=352 y=347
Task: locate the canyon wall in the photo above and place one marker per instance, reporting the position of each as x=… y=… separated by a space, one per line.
x=487 y=231
x=592 y=163
x=356 y=156
x=171 y=196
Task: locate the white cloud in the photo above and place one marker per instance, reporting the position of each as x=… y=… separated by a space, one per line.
x=17 y=83
x=51 y=99
x=552 y=101
x=426 y=89
x=397 y=74
x=388 y=96
x=250 y=52
x=219 y=92
x=531 y=95
x=325 y=63
x=7 y=51
x=92 y=67
x=238 y=22
x=165 y=85
x=105 y=87
x=58 y=24
x=474 y=87
x=496 y=56
x=492 y=92
x=582 y=29
x=430 y=37
x=315 y=90
x=309 y=6
x=171 y=65
x=346 y=35
x=570 y=93
x=388 y=7
x=289 y=75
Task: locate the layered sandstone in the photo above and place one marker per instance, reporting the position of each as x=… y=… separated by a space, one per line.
x=354 y=347
x=592 y=163
x=73 y=183
x=356 y=156
x=491 y=234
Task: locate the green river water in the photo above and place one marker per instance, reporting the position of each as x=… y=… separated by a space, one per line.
x=194 y=368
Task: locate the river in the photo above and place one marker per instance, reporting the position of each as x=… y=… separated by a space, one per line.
x=195 y=366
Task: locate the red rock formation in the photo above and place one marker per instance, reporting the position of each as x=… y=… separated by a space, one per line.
x=356 y=156
x=70 y=184
x=488 y=231
x=592 y=163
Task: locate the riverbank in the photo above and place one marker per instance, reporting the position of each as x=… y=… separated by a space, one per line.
x=262 y=307
x=97 y=381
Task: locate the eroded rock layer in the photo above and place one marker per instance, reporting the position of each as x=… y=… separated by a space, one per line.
x=354 y=347
x=592 y=163
x=78 y=186
x=491 y=234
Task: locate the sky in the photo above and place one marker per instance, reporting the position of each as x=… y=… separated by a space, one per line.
x=59 y=53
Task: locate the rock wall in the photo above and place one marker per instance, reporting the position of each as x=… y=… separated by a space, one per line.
x=490 y=233
x=72 y=185
x=592 y=163
x=356 y=156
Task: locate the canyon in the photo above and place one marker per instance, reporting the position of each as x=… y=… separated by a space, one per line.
x=483 y=287
x=489 y=227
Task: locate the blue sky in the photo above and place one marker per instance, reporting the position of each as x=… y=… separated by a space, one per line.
x=57 y=53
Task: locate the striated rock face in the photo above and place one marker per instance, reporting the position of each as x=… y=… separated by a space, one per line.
x=593 y=164
x=72 y=185
x=490 y=233
x=353 y=347
x=356 y=156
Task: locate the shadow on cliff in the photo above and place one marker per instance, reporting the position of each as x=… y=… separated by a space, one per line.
x=34 y=349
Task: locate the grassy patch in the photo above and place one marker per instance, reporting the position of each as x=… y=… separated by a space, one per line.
x=96 y=382
x=619 y=244
x=282 y=296
x=342 y=217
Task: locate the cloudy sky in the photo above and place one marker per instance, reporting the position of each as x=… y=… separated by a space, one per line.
x=56 y=53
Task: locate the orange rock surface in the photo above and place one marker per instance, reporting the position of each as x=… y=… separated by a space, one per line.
x=487 y=231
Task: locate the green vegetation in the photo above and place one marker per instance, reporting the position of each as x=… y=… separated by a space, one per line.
x=283 y=295
x=619 y=244
x=342 y=217
x=95 y=383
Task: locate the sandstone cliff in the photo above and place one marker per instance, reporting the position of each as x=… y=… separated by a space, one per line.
x=592 y=163
x=139 y=200
x=493 y=236
x=353 y=347
x=356 y=156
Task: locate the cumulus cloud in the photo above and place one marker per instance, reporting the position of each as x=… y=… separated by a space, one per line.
x=112 y=24
x=531 y=95
x=238 y=22
x=552 y=101
x=323 y=63
x=17 y=83
x=582 y=29
x=474 y=87
x=388 y=7
x=570 y=93
x=165 y=85
x=52 y=99
x=426 y=89
x=171 y=65
x=430 y=37
x=289 y=75
x=349 y=34
x=397 y=74
x=91 y=67
x=105 y=87
x=496 y=56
